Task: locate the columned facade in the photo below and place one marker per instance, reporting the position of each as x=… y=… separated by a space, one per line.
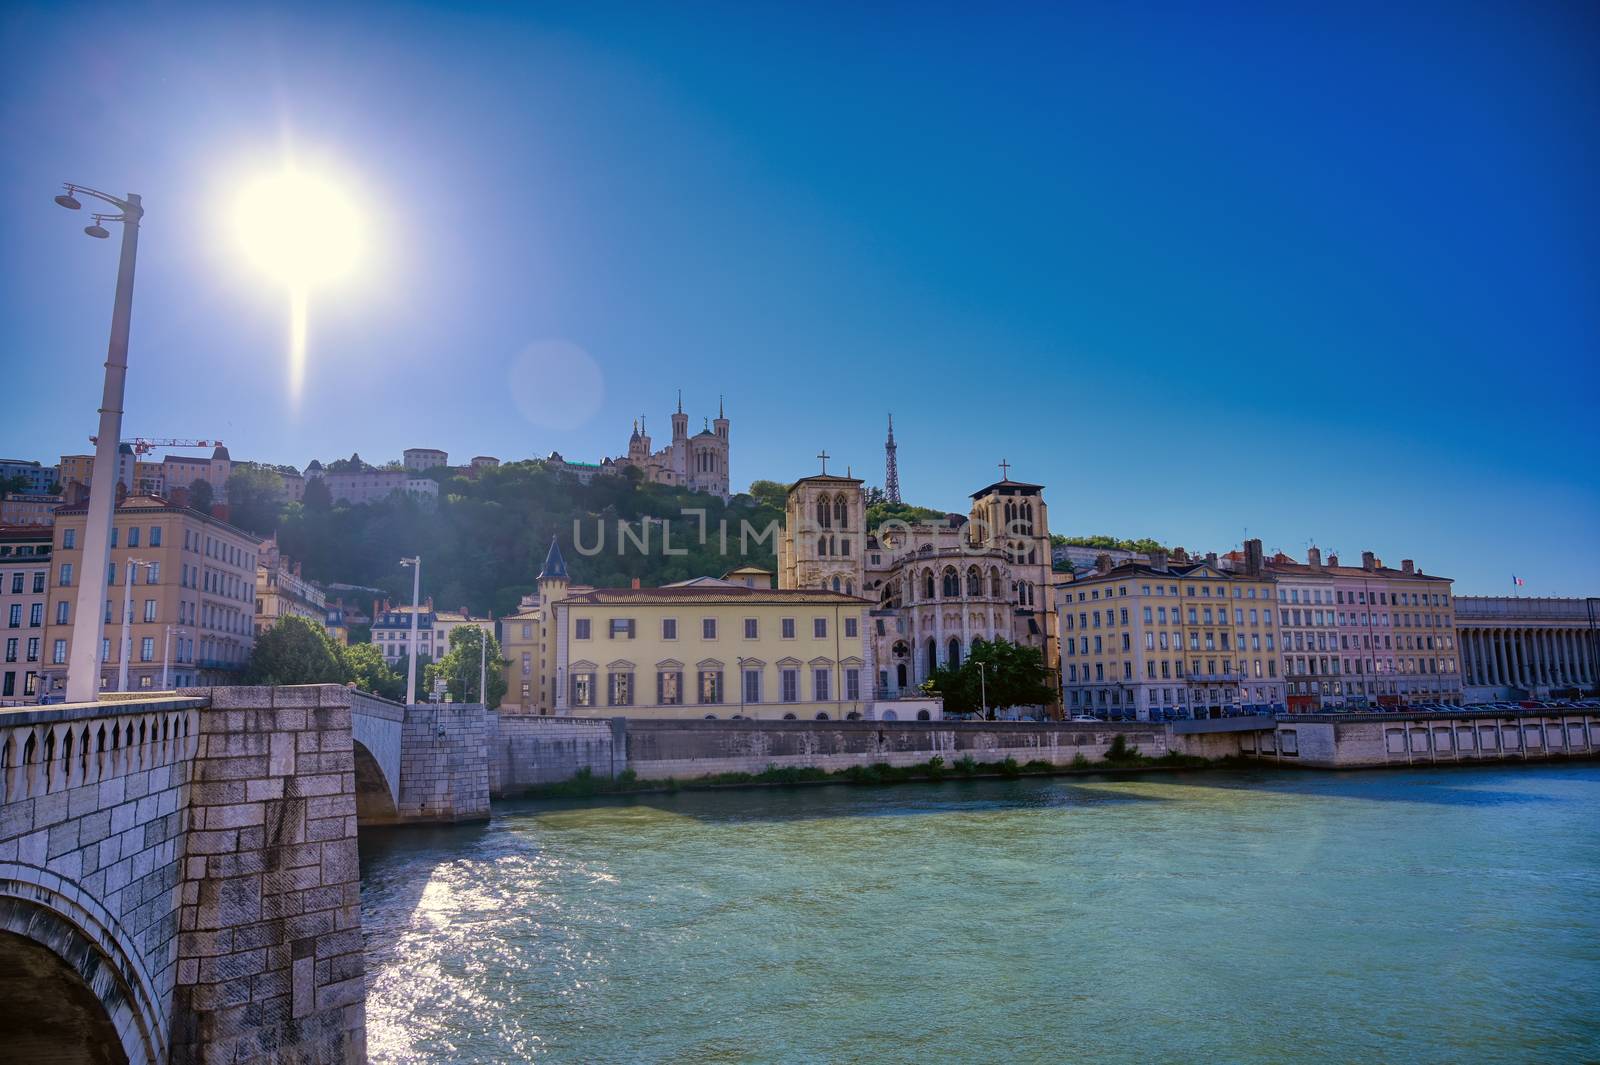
x=1518 y=648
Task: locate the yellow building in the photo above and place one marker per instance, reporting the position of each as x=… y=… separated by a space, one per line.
x=1169 y=639
x=191 y=599
x=700 y=649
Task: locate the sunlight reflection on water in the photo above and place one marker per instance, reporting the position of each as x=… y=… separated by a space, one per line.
x=1241 y=917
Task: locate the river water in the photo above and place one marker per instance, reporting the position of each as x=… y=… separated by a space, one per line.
x=1431 y=916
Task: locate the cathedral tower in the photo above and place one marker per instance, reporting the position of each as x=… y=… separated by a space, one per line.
x=824 y=534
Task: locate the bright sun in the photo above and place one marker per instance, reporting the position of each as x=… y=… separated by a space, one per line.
x=299 y=227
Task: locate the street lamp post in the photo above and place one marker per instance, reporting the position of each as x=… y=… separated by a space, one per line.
x=83 y=668
x=415 y=562
x=166 y=655
x=125 y=649
x=983 y=690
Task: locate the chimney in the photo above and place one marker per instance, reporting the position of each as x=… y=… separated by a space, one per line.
x=1158 y=561
x=634 y=584
x=1333 y=560
x=1369 y=561
x=1407 y=566
x=1254 y=560
x=1211 y=559
x=1179 y=555
x=1102 y=563
x=1314 y=557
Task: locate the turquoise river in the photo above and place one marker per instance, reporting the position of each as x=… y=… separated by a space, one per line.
x=1449 y=915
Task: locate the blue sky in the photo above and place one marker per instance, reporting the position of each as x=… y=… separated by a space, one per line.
x=1325 y=274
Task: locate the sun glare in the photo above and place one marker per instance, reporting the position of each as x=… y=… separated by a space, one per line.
x=299 y=227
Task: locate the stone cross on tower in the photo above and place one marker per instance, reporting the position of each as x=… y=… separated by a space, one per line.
x=823 y=455
x=1005 y=470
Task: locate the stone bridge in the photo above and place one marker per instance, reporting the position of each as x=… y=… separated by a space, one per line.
x=179 y=878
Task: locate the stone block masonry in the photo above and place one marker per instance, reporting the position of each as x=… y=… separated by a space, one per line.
x=529 y=751
x=444 y=763
x=269 y=963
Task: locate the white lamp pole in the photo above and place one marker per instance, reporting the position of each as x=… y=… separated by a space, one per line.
x=983 y=690
x=483 y=666
x=83 y=665
x=415 y=563
x=125 y=651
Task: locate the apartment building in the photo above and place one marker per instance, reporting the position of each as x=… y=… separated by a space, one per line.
x=1164 y=638
x=188 y=582
x=1397 y=638
x=24 y=596
x=282 y=592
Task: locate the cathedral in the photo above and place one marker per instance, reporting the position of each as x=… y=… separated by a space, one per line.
x=698 y=462
x=938 y=586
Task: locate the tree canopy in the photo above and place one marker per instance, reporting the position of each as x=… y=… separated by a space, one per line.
x=202 y=495
x=1143 y=546
x=460 y=666
x=1012 y=675
x=254 y=497
x=295 y=651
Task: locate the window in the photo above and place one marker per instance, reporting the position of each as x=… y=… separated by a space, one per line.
x=155 y=536
x=152 y=573
x=819 y=684
x=788 y=684
x=850 y=628
x=583 y=689
x=621 y=628
x=852 y=684
x=149 y=609
x=133 y=537
x=819 y=628
x=710 y=686
x=787 y=627
x=15 y=618
x=580 y=631
x=33 y=648
x=35 y=615
x=11 y=649
x=750 y=629
x=38 y=582
x=17 y=583
x=669 y=688
x=619 y=689
x=708 y=629
x=147 y=649
x=752 y=685
x=69 y=539
x=58 y=652
x=114 y=537
x=61 y=612
x=669 y=628
x=66 y=575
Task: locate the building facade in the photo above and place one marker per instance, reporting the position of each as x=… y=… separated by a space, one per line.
x=18 y=508
x=370 y=484
x=189 y=593
x=423 y=459
x=38 y=478
x=24 y=598
x=282 y=592
x=1518 y=648
x=1307 y=629
x=1164 y=639
x=182 y=471
x=1397 y=637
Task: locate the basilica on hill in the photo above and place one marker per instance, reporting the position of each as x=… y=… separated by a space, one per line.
x=698 y=463
x=937 y=586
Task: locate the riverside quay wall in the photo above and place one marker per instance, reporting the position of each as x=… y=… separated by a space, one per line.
x=532 y=751
x=1355 y=741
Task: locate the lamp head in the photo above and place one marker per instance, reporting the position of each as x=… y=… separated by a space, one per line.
x=97 y=231
x=69 y=201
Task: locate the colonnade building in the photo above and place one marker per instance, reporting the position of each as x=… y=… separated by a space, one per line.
x=1516 y=648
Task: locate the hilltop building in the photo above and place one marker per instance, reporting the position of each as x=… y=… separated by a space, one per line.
x=698 y=462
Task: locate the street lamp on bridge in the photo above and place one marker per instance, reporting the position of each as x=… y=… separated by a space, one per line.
x=88 y=632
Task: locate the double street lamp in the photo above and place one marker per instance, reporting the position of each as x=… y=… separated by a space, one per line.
x=415 y=562
x=83 y=669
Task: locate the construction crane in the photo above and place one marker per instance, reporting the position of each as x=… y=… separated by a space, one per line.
x=144 y=445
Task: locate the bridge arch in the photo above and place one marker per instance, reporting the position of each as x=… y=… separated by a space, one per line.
x=376 y=727
x=377 y=797
x=72 y=988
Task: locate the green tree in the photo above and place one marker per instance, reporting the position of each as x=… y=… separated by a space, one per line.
x=460 y=666
x=365 y=665
x=317 y=495
x=255 y=494
x=201 y=495
x=882 y=511
x=295 y=651
x=1012 y=675
x=772 y=494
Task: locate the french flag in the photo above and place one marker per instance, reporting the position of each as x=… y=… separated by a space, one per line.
x=1518 y=581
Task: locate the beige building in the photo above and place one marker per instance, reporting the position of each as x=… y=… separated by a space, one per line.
x=938 y=586
x=698 y=462
x=1517 y=647
x=1169 y=639
x=21 y=509
x=190 y=594
x=24 y=598
x=281 y=591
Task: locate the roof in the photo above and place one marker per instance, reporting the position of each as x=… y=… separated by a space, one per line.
x=161 y=505
x=555 y=567
x=699 y=593
x=752 y=570
x=1301 y=569
x=833 y=477
x=1009 y=487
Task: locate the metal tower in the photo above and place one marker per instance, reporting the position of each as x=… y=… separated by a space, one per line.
x=891 y=473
